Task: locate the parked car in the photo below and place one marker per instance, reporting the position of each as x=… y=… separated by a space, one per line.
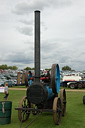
x=10 y=83
x=1 y=83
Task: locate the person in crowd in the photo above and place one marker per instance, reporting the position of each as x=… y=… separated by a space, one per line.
x=29 y=78
x=6 y=91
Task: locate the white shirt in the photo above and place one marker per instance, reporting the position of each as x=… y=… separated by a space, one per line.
x=6 y=89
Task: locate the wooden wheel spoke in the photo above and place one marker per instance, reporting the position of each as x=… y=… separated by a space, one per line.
x=25 y=102
x=59 y=110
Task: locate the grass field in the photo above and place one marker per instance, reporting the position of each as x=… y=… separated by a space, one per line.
x=74 y=118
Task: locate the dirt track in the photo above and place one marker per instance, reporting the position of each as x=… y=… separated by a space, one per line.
x=68 y=90
x=17 y=88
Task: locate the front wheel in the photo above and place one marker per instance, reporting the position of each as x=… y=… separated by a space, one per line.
x=23 y=115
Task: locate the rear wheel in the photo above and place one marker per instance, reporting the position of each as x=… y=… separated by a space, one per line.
x=55 y=78
x=83 y=99
x=63 y=101
x=57 y=115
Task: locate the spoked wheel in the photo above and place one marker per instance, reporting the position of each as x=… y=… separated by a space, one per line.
x=55 y=78
x=83 y=99
x=34 y=107
x=23 y=115
x=63 y=101
x=57 y=115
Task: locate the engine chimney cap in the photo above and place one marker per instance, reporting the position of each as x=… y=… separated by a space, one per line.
x=37 y=11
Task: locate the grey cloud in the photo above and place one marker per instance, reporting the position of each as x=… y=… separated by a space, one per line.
x=31 y=43
x=20 y=57
x=26 y=7
x=55 y=47
x=63 y=52
x=26 y=22
x=63 y=49
x=64 y=59
x=25 y=30
x=77 y=65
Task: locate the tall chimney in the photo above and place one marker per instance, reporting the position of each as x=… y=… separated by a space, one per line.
x=37 y=46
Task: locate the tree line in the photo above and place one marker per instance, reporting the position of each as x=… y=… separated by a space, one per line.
x=65 y=68
x=4 y=67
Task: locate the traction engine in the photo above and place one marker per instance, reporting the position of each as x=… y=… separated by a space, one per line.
x=43 y=97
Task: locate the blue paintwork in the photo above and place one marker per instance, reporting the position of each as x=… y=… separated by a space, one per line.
x=57 y=81
x=57 y=78
x=50 y=93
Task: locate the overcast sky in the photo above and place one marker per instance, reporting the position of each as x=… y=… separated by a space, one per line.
x=62 y=33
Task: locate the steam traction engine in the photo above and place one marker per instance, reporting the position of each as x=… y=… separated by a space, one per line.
x=43 y=97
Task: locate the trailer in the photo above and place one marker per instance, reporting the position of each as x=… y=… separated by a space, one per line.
x=76 y=84
x=73 y=82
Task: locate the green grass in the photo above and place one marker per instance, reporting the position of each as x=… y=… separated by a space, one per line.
x=19 y=86
x=74 y=118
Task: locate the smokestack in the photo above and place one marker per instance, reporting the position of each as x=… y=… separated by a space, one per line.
x=37 y=46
